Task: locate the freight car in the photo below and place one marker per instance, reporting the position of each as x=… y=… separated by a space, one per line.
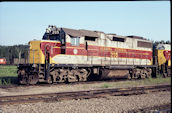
x=69 y=55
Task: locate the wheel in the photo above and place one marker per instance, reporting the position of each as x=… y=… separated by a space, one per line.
x=82 y=74
x=50 y=80
x=128 y=76
x=142 y=75
x=22 y=77
x=72 y=76
x=33 y=79
x=164 y=75
x=61 y=76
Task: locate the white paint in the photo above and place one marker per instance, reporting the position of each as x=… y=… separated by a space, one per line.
x=77 y=59
x=75 y=51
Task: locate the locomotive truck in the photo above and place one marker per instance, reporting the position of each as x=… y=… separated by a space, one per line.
x=70 y=55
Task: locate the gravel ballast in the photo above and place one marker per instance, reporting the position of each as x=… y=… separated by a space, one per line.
x=109 y=104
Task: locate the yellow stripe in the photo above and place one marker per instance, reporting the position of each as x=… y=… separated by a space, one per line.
x=75 y=47
x=98 y=56
x=44 y=41
x=109 y=51
x=56 y=47
x=109 y=48
x=80 y=48
x=121 y=48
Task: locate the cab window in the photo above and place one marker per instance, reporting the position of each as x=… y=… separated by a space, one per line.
x=75 y=41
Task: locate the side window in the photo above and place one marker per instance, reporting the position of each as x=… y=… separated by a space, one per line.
x=90 y=38
x=75 y=41
x=118 y=39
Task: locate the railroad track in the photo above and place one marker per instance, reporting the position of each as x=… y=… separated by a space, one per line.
x=81 y=94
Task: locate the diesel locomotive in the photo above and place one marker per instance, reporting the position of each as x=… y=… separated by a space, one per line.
x=70 y=55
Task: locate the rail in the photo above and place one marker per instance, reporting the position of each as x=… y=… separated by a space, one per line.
x=82 y=94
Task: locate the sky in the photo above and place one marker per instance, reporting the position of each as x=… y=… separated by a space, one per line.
x=21 y=22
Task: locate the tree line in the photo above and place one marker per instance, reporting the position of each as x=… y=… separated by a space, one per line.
x=15 y=51
x=21 y=51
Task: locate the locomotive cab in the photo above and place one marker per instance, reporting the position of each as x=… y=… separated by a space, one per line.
x=41 y=53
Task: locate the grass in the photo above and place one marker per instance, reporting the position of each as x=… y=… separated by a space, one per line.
x=134 y=83
x=8 y=70
x=105 y=85
x=8 y=75
x=158 y=80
